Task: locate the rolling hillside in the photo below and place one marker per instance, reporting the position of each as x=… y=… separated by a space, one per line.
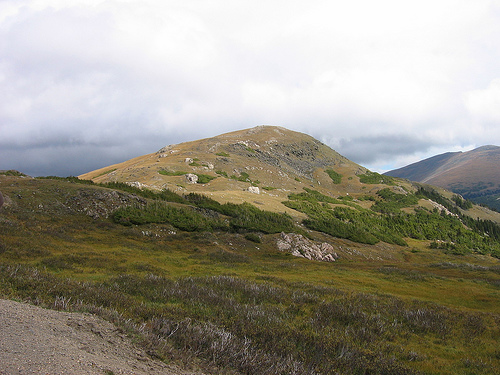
x=473 y=174
x=326 y=268
x=274 y=159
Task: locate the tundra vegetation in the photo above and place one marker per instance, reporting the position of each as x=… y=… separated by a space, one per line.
x=202 y=283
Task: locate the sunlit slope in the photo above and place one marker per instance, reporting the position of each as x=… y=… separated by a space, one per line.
x=474 y=174
x=274 y=159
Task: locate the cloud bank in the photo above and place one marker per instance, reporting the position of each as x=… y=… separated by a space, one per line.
x=88 y=83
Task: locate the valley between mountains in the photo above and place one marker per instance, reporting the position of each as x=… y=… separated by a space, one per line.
x=262 y=251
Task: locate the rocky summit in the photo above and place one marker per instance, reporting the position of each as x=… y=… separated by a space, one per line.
x=267 y=161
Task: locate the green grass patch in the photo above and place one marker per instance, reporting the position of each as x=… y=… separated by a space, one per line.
x=336 y=177
x=204 y=178
x=171 y=173
x=375 y=178
x=243 y=177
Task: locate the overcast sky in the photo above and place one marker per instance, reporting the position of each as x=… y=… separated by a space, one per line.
x=88 y=83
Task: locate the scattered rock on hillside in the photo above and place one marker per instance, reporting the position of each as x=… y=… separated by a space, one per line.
x=298 y=245
x=253 y=189
x=191 y=178
x=137 y=184
x=101 y=203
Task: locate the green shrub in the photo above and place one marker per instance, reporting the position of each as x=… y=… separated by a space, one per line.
x=392 y=202
x=204 y=178
x=222 y=173
x=243 y=177
x=375 y=178
x=254 y=237
x=336 y=177
x=462 y=203
x=171 y=173
x=183 y=218
x=12 y=172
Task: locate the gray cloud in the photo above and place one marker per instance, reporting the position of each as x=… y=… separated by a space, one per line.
x=103 y=81
x=367 y=150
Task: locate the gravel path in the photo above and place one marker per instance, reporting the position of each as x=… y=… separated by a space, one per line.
x=34 y=340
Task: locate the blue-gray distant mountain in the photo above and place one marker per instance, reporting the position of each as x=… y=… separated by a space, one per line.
x=473 y=174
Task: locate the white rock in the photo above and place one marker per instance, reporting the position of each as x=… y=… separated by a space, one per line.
x=253 y=189
x=191 y=178
x=300 y=246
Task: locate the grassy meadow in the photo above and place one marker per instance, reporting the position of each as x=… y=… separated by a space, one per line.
x=220 y=297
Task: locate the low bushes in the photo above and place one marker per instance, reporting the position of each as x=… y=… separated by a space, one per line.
x=272 y=327
x=244 y=217
x=336 y=177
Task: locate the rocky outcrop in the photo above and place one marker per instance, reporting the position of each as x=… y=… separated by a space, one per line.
x=191 y=178
x=253 y=189
x=138 y=185
x=101 y=203
x=299 y=246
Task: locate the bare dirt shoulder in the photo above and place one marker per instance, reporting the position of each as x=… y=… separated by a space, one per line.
x=34 y=340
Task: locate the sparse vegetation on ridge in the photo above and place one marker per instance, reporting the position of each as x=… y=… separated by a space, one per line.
x=12 y=172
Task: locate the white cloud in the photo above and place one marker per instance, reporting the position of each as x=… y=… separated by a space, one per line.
x=147 y=73
x=485 y=103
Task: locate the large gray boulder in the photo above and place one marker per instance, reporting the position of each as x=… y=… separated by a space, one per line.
x=299 y=246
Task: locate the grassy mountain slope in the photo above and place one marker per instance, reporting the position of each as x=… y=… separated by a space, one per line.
x=473 y=174
x=276 y=160
x=207 y=281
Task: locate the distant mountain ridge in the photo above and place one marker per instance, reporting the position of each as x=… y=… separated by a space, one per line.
x=474 y=174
